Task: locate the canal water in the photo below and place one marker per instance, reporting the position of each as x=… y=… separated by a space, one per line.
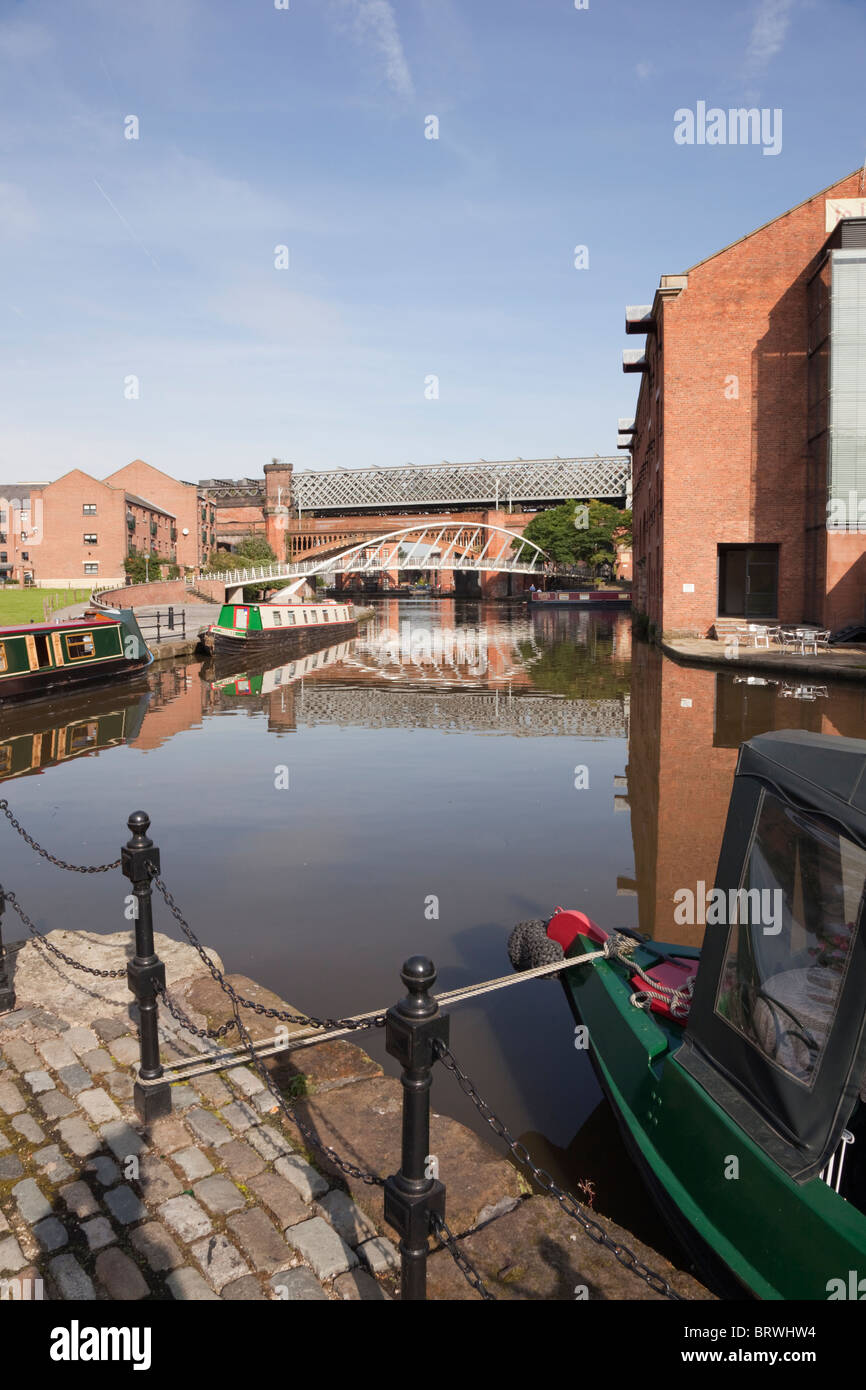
x=458 y=768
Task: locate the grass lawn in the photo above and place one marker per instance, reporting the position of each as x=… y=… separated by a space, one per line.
x=20 y=605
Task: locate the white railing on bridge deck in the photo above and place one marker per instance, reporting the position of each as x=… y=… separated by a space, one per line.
x=385 y=552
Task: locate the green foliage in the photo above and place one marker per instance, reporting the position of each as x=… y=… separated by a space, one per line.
x=140 y=570
x=253 y=550
x=250 y=550
x=581 y=533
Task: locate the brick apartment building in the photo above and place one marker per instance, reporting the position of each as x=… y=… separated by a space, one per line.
x=749 y=436
x=79 y=531
x=194 y=514
x=86 y=529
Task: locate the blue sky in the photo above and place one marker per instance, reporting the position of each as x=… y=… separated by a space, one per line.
x=408 y=257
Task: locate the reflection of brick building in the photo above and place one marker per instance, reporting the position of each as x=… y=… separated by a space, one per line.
x=739 y=446
x=687 y=724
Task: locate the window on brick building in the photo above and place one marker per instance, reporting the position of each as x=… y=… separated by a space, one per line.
x=91 y=568
x=90 y=538
x=89 y=509
x=25 y=555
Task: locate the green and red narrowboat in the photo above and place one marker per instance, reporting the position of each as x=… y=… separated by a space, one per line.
x=40 y=659
x=251 y=628
x=739 y=1080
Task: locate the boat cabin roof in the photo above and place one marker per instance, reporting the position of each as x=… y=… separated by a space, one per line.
x=64 y=626
x=777 y=1028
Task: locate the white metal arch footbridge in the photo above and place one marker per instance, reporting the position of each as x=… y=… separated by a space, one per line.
x=470 y=546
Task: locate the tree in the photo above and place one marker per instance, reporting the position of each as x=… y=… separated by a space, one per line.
x=138 y=570
x=585 y=533
x=250 y=550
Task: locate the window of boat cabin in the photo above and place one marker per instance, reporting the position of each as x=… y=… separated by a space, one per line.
x=793 y=924
x=278 y=619
x=325 y=616
x=4 y=664
x=290 y=617
x=79 y=645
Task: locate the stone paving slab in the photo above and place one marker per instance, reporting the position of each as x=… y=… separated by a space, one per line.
x=536 y=1252
x=362 y=1124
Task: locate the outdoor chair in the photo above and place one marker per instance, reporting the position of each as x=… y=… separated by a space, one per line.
x=760 y=634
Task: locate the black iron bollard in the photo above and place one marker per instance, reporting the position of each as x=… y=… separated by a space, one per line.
x=145 y=970
x=411 y=1197
x=7 y=993
x=171 y=618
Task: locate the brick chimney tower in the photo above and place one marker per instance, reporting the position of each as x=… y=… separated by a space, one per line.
x=278 y=505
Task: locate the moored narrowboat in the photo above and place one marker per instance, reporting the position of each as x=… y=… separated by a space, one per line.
x=737 y=1071
x=40 y=659
x=252 y=627
x=543 y=600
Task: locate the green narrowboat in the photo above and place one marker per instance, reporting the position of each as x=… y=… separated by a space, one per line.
x=737 y=1072
x=39 y=659
x=258 y=627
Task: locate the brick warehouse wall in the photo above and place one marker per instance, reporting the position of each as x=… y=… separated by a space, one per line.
x=732 y=467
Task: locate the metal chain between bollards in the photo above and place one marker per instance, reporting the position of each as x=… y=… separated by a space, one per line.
x=52 y=859
x=187 y=1024
x=569 y=1204
x=283 y=1015
x=55 y=950
x=371 y=1179
x=448 y=1240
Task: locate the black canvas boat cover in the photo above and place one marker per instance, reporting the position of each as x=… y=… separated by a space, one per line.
x=776 y=1031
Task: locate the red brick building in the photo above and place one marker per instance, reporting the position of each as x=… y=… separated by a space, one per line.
x=79 y=531
x=193 y=513
x=749 y=471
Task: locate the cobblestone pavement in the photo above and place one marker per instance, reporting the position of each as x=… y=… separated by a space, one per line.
x=213 y=1201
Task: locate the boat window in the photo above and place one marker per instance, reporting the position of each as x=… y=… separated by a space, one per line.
x=278 y=619
x=80 y=644
x=82 y=736
x=4 y=665
x=5 y=758
x=290 y=617
x=326 y=618
x=242 y=617
x=793 y=923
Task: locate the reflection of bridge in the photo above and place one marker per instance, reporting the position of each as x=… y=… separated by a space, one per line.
x=460 y=711
x=438 y=548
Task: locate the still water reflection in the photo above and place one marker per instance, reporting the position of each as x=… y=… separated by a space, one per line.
x=434 y=799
